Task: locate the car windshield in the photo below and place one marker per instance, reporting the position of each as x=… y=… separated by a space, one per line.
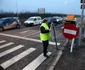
x=30 y=19
x=58 y=17
x=1 y=20
x=16 y=18
x=49 y=19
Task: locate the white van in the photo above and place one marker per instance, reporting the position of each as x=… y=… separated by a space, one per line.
x=33 y=21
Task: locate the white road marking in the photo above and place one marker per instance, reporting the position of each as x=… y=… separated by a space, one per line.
x=24 y=32
x=17 y=58
x=2 y=41
x=5 y=45
x=73 y=32
x=62 y=27
x=11 y=50
x=31 y=34
x=53 y=43
x=35 y=40
x=35 y=63
x=56 y=60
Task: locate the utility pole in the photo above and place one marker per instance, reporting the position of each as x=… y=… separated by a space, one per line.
x=54 y=31
x=80 y=30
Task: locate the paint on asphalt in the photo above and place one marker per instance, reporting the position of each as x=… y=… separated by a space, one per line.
x=35 y=40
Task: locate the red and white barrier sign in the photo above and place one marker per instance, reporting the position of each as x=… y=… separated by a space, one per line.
x=70 y=31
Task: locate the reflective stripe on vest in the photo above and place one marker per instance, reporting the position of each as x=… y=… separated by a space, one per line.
x=45 y=36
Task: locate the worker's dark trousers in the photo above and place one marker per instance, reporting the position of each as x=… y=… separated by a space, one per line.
x=45 y=46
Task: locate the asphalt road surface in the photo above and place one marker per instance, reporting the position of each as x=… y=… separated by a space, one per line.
x=74 y=60
x=21 y=49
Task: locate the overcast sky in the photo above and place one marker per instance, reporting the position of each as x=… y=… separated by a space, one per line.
x=52 y=6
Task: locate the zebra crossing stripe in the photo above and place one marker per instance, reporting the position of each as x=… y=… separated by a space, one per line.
x=11 y=50
x=35 y=63
x=2 y=41
x=53 y=43
x=17 y=58
x=5 y=45
x=24 y=38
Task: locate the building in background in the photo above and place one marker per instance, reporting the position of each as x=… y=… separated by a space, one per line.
x=41 y=10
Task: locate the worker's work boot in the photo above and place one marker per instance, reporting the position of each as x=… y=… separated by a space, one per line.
x=46 y=56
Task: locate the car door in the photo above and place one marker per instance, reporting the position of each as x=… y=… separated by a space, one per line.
x=35 y=21
x=39 y=20
x=13 y=23
x=7 y=24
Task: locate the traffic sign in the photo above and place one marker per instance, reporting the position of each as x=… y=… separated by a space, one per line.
x=82 y=7
x=70 y=31
x=82 y=1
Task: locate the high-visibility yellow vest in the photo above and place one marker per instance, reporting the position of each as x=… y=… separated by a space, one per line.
x=45 y=36
x=75 y=19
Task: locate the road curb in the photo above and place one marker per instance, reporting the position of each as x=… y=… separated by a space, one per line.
x=54 y=62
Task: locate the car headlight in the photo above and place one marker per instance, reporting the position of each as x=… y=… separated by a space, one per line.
x=57 y=20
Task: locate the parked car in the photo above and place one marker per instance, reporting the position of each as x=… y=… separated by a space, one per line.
x=50 y=20
x=9 y=22
x=58 y=19
x=33 y=21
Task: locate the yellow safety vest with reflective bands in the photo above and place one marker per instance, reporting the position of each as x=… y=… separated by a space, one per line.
x=45 y=36
x=75 y=19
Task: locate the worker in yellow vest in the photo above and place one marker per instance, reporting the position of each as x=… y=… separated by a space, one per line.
x=45 y=36
x=74 y=20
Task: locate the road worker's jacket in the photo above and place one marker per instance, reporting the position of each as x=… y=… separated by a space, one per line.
x=75 y=19
x=44 y=32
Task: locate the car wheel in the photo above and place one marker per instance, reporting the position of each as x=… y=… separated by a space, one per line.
x=32 y=24
x=1 y=28
x=18 y=26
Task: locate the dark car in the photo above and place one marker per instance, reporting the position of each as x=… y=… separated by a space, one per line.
x=58 y=19
x=9 y=22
